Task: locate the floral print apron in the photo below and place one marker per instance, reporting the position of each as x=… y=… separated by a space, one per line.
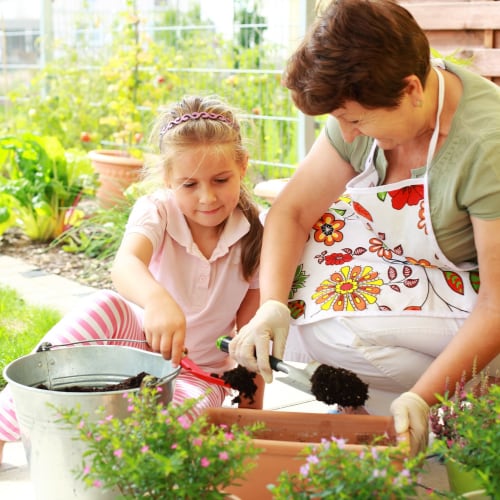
x=374 y=252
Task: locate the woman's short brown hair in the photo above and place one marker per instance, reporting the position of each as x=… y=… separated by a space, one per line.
x=357 y=50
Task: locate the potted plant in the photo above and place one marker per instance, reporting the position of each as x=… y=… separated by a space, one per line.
x=161 y=451
x=466 y=427
x=330 y=470
x=286 y=433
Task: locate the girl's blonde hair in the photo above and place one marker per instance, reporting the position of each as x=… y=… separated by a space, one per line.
x=206 y=121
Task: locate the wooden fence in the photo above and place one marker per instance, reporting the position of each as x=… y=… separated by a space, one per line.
x=467 y=29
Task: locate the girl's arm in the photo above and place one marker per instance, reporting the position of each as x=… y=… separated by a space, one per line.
x=164 y=321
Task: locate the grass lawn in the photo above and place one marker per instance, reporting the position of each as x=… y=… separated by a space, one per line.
x=21 y=326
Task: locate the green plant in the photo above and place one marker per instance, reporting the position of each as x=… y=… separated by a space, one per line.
x=21 y=326
x=467 y=430
x=41 y=183
x=90 y=98
x=98 y=235
x=161 y=451
x=331 y=471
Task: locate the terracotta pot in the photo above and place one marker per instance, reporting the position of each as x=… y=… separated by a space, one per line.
x=117 y=170
x=286 y=434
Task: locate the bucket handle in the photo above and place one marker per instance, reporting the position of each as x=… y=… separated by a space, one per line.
x=47 y=346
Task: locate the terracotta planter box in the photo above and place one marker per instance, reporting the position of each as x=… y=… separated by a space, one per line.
x=287 y=433
x=116 y=170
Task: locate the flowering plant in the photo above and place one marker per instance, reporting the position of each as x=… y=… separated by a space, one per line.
x=467 y=430
x=331 y=471
x=161 y=451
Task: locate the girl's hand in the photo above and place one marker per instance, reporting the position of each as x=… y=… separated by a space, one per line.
x=165 y=327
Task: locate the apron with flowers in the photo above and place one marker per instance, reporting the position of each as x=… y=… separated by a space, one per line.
x=374 y=252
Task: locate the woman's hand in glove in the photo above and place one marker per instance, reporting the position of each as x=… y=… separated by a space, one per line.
x=411 y=413
x=250 y=347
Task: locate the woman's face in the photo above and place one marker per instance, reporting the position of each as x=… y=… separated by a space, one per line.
x=390 y=127
x=206 y=182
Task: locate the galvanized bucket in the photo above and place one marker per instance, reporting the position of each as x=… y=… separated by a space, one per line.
x=51 y=450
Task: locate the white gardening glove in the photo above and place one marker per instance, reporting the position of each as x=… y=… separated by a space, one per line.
x=250 y=347
x=411 y=413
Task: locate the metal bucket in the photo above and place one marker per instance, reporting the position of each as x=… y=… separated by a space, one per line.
x=52 y=452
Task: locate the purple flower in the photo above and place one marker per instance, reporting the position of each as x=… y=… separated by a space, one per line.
x=304 y=470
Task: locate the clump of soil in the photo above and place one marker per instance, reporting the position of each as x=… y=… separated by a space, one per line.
x=338 y=386
x=133 y=382
x=240 y=379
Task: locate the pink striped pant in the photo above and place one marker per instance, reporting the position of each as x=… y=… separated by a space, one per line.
x=106 y=315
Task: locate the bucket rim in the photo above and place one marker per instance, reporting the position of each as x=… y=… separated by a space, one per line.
x=166 y=379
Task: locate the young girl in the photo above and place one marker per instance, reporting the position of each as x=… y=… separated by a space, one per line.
x=186 y=270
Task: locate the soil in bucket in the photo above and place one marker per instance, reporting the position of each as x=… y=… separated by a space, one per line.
x=133 y=382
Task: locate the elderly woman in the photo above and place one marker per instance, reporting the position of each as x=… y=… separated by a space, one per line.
x=374 y=247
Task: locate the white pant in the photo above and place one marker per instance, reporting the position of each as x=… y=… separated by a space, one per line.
x=388 y=353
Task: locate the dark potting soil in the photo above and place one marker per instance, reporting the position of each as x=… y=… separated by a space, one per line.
x=240 y=379
x=338 y=386
x=133 y=382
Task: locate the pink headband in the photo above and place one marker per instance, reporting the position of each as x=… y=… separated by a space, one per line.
x=204 y=115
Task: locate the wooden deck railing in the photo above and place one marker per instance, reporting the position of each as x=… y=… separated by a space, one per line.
x=467 y=29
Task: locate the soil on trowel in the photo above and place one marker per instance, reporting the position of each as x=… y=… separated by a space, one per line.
x=240 y=379
x=133 y=382
x=334 y=385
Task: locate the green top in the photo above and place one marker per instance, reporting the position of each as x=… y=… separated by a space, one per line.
x=464 y=176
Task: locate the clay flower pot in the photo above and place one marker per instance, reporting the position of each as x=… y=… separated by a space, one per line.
x=287 y=433
x=116 y=170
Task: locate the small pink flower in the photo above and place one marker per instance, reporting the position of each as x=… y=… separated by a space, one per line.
x=97 y=483
x=304 y=469
x=130 y=408
x=109 y=418
x=86 y=470
x=229 y=436
x=80 y=425
x=312 y=459
x=145 y=449
x=205 y=462
x=184 y=421
x=223 y=455
x=341 y=443
x=197 y=441
x=118 y=453
x=174 y=446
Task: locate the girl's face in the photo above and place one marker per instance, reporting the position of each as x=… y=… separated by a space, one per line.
x=206 y=182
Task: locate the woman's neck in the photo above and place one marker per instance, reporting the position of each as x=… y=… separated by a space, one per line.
x=406 y=157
